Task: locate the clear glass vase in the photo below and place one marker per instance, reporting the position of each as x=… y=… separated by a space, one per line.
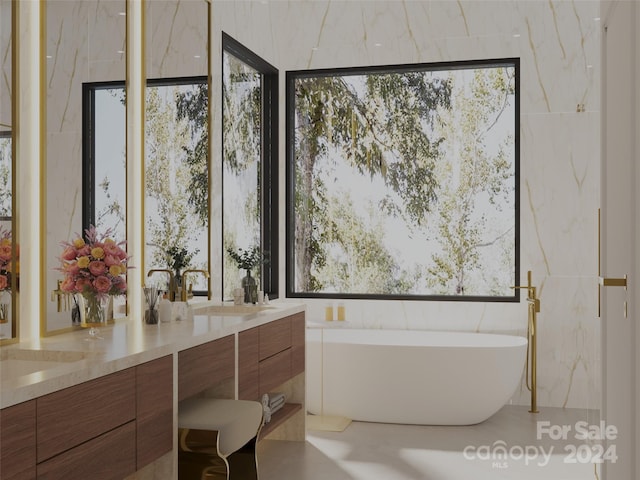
x=94 y=308
x=5 y=306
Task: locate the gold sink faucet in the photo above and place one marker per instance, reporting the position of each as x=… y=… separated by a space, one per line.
x=172 y=282
x=184 y=282
x=59 y=296
x=532 y=345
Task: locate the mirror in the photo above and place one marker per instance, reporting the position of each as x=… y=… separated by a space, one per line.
x=176 y=203
x=85 y=42
x=85 y=52
x=9 y=267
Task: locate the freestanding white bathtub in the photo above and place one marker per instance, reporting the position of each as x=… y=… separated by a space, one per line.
x=411 y=377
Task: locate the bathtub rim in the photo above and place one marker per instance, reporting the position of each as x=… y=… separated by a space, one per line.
x=366 y=336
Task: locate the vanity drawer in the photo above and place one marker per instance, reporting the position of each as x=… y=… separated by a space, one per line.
x=275 y=337
x=154 y=410
x=69 y=417
x=248 y=364
x=18 y=441
x=111 y=456
x=274 y=371
x=298 y=332
x=205 y=366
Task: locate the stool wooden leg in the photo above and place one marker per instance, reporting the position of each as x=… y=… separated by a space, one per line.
x=243 y=463
x=199 y=466
x=198 y=458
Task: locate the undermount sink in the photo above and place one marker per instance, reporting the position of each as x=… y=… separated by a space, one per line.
x=236 y=310
x=19 y=362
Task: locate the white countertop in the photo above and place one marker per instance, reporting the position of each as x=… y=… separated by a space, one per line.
x=30 y=370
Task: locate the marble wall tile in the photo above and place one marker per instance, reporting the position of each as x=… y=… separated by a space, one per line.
x=67 y=37
x=5 y=64
x=560 y=54
x=176 y=43
x=107 y=41
x=558 y=44
x=560 y=177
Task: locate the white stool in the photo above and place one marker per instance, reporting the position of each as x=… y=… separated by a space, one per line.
x=217 y=439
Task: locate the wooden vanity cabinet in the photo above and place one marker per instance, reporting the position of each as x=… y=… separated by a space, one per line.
x=113 y=426
x=298 y=342
x=106 y=428
x=111 y=456
x=74 y=415
x=18 y=441
x=154 y=410
x=88 y=428
x=205 y=366
x=249 y=364
x=270 y=356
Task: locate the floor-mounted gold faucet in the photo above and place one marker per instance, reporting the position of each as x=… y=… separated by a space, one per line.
x=532 y=347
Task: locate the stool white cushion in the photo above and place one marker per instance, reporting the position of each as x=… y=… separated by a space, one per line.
x=236 y=421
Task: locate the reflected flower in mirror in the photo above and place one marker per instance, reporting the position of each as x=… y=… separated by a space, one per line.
x=7 y=263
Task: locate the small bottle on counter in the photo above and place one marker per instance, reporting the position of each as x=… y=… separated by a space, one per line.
x=164 y=310
x=328 y=312
x=341 y=312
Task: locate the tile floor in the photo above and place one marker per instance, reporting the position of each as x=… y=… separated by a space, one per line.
x=375 y=451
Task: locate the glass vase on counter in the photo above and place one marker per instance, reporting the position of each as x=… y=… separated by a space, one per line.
x=250 y=287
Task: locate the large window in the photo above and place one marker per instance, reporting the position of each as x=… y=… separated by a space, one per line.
x=249 y=151
x=176 y=171
x=104 y=158
x=402 y=182
x=176 y=176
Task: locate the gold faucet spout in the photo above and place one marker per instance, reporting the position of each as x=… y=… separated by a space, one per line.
x=184 y=281
x=532 y=346
x=172 y=282
x=57 y=295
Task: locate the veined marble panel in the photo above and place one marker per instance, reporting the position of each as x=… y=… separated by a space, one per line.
x=67 y=63
x=107 y=41
x=560 y=55
x=558 y=44
x=5 y=64
x=176 y=43
x=64 y=211
x=560 y=179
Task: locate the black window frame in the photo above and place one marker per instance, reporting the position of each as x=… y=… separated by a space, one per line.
x=268 y=161
x=291 y=76
x=88 y=141
x=88 y=147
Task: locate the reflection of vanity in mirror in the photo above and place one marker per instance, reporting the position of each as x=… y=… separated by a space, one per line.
x=176 y=203
x=8 y=247
x=86 y=126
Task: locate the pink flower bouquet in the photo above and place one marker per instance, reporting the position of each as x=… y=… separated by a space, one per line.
x=94 y=266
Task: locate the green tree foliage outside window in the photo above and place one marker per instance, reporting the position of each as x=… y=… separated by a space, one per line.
x=176 y=170
x=5 y=174
x=242 y=169
x=405 y=181
x=176 y=177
